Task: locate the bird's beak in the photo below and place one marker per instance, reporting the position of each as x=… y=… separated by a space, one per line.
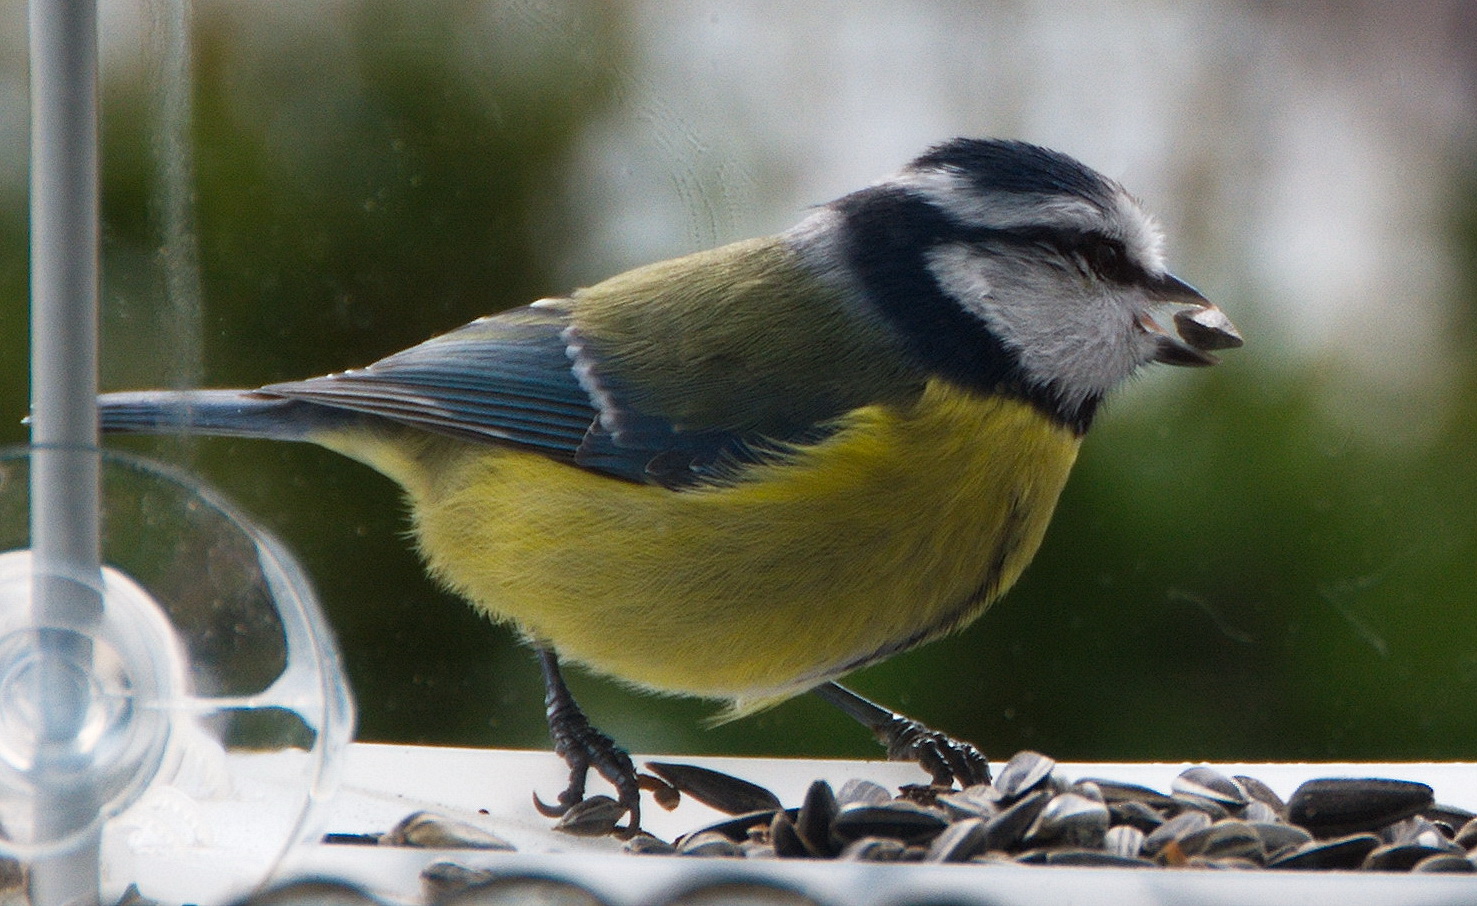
x=1199 y=325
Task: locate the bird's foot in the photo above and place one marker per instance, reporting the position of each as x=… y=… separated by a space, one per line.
x=947 y=759
x=941 y=755
x=584 y=747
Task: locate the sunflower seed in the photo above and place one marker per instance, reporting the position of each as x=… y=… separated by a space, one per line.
x=859 y=790
x=963 y=805
x=1339 y=806
x=1466 y=837
x=441 y=880
x=1224 y=840
x=1416 y=829
x=1188 y=801
x=1081 y=858
x=959 y=842
x=647 y=845
x=1115 y=792
x=874 y=849
x=1024 y=772
x=1006 y=830
x=1072 y=820
x=1342 y=852
x=710 y=843
x=1446 y=863
x=1278 y=837
x=1136 y=814
x=724 y=792
x=899 y=820
x=428 y=830
x=785 y=840
x=1260 y=792
x=813 y=825
x=1123 y=840
x=595 y=816
x=1173 y=829
x=1400 y=856
x=1207 y=783
x=1449 y=815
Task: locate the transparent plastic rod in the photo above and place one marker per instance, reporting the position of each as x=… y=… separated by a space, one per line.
x=174 y=164
x=65 y=488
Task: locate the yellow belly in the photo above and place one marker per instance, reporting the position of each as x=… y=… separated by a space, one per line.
x=900 y=527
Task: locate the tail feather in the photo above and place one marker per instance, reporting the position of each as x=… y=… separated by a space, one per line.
x=226 y=413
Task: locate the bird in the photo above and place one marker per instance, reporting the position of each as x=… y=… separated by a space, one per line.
x=743 y=473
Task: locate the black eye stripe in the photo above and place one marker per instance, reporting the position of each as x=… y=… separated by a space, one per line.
x=1110 y=260
x=1107 y=257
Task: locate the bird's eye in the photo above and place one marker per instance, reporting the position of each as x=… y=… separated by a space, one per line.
x=1107 y=259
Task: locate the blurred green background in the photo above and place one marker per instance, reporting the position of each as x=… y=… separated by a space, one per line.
x=1275 y=559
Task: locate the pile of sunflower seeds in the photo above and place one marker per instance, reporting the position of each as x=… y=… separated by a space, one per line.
x=1031 y=814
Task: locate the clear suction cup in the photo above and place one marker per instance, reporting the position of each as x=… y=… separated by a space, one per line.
x=209 y=712
x=121 y=679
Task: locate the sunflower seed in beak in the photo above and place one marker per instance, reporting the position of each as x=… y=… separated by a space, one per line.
x=1206 y=327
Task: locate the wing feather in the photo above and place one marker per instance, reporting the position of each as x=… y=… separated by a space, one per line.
x=679 y=374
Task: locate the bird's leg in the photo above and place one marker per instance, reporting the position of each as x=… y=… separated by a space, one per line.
x=946 y=758
x=583 y=747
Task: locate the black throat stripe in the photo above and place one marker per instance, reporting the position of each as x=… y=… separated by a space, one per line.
x=888 y=230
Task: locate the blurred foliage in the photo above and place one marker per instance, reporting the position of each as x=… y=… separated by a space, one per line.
x=1233 y=573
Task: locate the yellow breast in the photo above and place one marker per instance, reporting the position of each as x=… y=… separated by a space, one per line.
x=903 y=525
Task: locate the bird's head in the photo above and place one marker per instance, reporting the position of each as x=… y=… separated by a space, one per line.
x=1017 y=266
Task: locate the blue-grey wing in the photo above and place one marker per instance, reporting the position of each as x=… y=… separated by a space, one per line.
x=500 y=379
x=511 y=379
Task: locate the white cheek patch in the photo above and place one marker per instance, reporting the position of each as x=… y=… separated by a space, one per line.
x=1067 y=331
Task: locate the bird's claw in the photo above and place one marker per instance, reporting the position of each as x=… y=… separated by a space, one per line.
x=554 y=811
x=583 y=747
x=947 y=759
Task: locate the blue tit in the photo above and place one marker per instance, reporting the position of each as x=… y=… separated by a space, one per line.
x=743 y=473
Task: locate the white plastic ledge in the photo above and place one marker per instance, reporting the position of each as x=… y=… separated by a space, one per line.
x=493 y=789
